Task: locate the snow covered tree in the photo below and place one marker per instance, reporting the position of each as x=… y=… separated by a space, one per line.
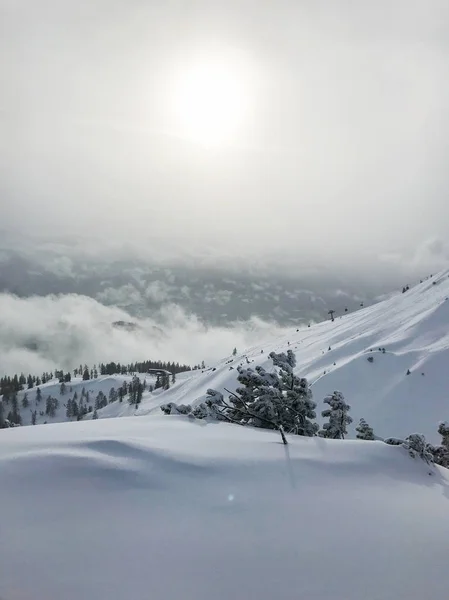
x=95 y=415
x=113 y=395
x=25 y=401
x=441 y=453
x=38 y=395
x=297 y=409
x=75 y=409
x=51 y=406
x=338 y=417
x=234 y=352
x=364 y=431
x=278 y=400
x=417 y=446
x=69 y=409
x=33 y=417
x=86 y=374
x=176 y=409
x=62 y=388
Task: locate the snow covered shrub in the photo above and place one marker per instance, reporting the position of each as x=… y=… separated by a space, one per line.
x=418 y=447
x=392 y=441
x=364 y=431
x=176 y=409
x=338 y=417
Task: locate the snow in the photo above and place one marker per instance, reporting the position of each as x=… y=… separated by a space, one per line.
x=155 y=506
x=163 y=507
x=413 y=328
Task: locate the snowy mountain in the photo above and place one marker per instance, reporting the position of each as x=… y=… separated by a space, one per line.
x=406 y=332
x=169 y=507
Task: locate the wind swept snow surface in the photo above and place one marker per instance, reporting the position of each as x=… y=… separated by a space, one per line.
x=166 y=508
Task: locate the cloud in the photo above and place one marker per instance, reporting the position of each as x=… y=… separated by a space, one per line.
x=44 y=333
x=342 y=157
x=431 y=255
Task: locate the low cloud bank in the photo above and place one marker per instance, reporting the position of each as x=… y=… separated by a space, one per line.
x=42 y=333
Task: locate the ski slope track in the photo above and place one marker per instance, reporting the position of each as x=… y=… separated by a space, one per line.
x=164 y=507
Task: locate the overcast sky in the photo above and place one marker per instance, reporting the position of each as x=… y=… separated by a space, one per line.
x=338 y=145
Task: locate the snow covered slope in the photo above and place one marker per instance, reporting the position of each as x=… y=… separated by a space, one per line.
x=165 y=508
x=412 y=327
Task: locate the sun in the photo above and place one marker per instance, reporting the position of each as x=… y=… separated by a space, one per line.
x=210 y=102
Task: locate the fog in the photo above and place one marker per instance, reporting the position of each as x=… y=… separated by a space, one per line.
x=44 y=333
x=341 y=157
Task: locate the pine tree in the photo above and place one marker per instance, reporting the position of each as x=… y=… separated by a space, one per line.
x=86 y=374
x=95 y=415
x=33 y=417
x=441 y=453
x=14 y=414
x=165 y=381
x=418 y=447
x=69 y=410
x=173 y=378
x=234 y=352
x=297 y=409
x=338 y=417
x=75 y=409
x=62 y=388
x=364 y=431
x=25 y=401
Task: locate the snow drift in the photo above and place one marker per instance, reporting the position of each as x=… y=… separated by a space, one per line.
x=162 y=507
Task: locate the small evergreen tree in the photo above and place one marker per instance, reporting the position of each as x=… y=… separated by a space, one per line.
x=86 y=374
x=418 y=448
x=25 y=401
x=95 y=415
x=364 y=431
x=441 y=453
x=62 y=388
x=69 y=409
x=38 y=395
x=338 y=417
